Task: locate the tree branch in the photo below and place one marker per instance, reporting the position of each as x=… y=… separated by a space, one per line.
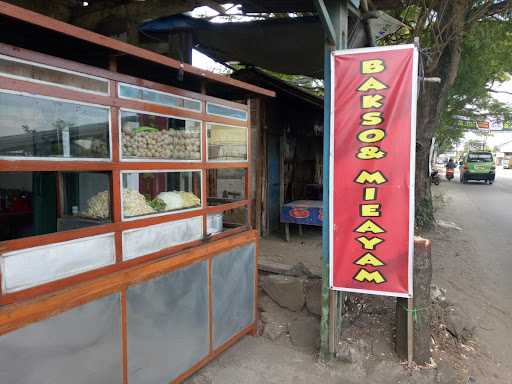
x=490 y=8
x=496 y=91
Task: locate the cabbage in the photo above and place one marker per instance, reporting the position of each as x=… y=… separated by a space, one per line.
x=172 y=200
x=178 y=200
x=189 y=199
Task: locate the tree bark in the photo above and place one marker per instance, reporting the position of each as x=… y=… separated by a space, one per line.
x=428 y=121
x=443 y=63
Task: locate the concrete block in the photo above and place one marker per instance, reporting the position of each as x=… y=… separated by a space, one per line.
x=286 y=291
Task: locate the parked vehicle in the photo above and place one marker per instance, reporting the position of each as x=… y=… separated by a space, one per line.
x=449 y=174
x=478 y=166
x=507 y=163
x=434 y=177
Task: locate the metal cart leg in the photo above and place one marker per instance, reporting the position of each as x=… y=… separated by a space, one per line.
x=300 y=230
x=287 y=232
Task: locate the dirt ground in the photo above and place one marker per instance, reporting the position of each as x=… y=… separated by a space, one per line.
x=306 y=249
x=473 y=263
x=474 y=348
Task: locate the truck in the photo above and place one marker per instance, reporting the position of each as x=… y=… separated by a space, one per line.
x=507 y=162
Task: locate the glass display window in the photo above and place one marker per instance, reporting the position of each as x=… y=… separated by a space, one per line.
x=225 y=111
x=44 y=74
x=150 y=136
x=133 y=92
x=227 y=220
x=146 y=193
x=226 y=142
x=99 y=173
x=41 y=127
x=40 y=203
x=226 y=186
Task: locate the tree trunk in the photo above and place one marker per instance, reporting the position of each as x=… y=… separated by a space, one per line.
x=432 y=100
x=428 y=121
x=443 y=63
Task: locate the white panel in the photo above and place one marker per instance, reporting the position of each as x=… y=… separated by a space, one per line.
x=79 y=346
x=214 y=223
x=34 y=266
x=142 y=241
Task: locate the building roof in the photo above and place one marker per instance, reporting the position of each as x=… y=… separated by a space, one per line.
x=505 y=147
x=34 y=31
x=286 y=6
x=291 y=45
x=284 y=45
x=280 y=86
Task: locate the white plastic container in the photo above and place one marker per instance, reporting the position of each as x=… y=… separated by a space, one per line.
x=215 y=223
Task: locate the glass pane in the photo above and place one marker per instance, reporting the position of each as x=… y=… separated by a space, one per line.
x=227 y=143
x=149 y=193
x=156 y=97
x=147 y=136
x=42 y=74
x=39 y=127
x=480 y=157
x=222 y=110
x=224 y=221
x=226 y=186
x=38 y=203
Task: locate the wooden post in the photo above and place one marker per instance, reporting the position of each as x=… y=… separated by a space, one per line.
x=333 y=309
x=112 y=63
x=413 y=336
x=410 y=331
x=180 y=45
x=257 y=120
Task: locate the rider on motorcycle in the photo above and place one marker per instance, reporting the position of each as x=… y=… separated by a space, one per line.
x=450 y=164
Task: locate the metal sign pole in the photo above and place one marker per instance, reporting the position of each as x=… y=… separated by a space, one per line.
x=334 y=16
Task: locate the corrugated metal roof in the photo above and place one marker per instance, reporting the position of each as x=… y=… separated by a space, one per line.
x=285 y=6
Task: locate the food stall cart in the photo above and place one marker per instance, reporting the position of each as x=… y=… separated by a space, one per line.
x=126 y=252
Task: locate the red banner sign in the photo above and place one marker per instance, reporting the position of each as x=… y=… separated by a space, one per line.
x=373 y=123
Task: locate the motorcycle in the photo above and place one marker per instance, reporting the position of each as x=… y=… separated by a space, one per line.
x=434 y=177
x=449 y=174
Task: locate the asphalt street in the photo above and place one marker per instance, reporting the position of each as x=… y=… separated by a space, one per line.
x=477 y=268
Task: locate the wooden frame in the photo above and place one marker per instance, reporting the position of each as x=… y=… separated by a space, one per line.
x=115 y=165
x=31 y=311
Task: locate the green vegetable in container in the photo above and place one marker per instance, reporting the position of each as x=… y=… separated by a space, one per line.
x=145 y=129
x=157 y=204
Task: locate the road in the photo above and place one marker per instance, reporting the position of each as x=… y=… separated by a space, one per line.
x=475 y=266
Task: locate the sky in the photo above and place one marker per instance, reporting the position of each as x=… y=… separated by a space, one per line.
x=198 y=59
x=204 y=62
x=504 y=97
x=496 y=137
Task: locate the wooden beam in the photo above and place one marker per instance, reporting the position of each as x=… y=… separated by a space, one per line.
x=325 y=17
x=215 y=6
x=127 y=12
